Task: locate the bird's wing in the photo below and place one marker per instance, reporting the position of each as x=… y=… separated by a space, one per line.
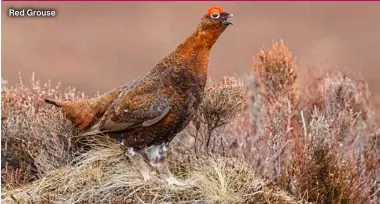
x=131 y=110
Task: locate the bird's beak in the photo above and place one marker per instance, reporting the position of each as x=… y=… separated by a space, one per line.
x=227 y=20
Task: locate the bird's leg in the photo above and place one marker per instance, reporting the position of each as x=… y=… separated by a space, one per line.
x=157 y=158
x=139 y=162
x=163 y=169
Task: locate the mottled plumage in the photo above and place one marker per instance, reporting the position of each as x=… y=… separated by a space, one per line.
x=151 y=110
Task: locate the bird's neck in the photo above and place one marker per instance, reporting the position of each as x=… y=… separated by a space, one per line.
x=197 y=47
x=201 y=39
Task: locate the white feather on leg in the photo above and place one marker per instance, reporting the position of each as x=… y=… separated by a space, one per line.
x=156 y=155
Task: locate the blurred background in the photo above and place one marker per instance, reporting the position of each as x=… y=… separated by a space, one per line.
x=100 y=45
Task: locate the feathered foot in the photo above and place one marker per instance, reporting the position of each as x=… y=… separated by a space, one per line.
x=165 y=173
x=139 y=162
x=156 y=155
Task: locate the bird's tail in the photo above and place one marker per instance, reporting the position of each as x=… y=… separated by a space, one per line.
x=52 y=102
x=80 y=113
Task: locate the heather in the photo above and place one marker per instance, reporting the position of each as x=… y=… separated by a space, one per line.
x=258 y=139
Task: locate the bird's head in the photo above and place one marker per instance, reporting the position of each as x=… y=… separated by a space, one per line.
x=216 y=20
x=212 y=25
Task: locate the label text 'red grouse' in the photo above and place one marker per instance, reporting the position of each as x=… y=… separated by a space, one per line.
x=31 y=12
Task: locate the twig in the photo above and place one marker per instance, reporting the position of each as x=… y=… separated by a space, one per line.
x=303 y=124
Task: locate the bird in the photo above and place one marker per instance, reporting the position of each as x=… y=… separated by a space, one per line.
x=147 y=113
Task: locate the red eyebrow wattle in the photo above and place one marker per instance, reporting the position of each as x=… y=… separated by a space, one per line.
x=215 y=9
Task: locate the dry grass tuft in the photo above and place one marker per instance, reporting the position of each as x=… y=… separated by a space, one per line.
x=104 y=175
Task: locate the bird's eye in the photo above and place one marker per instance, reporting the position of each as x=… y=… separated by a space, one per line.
x=215 y=15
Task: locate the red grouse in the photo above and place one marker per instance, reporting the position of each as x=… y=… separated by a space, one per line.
x=148 y=112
